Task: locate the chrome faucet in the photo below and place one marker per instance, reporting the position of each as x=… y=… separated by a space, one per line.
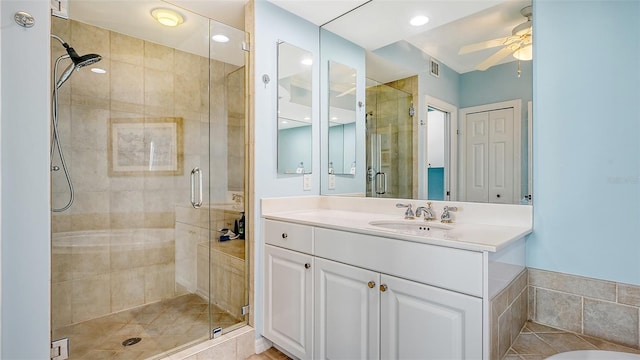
x=428 y=212
x=409 y=213
x=446 y=216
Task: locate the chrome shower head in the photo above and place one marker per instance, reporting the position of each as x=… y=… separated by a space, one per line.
x=77 y=61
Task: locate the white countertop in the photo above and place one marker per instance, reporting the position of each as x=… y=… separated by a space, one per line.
x=462 y=235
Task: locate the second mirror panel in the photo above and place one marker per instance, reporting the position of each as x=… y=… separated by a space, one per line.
x=342 y=119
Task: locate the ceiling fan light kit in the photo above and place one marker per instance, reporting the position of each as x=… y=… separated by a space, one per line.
x=519 y=44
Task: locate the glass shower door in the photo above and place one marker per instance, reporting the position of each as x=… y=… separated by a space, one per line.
x=154 y=140
x=228 y=262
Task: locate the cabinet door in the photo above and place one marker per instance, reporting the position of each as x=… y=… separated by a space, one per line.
x=347 y=311
x=288 y=300
x=424 y=322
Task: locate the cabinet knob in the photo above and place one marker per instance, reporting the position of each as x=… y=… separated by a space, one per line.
x=498 y=195
x=307 y=266
x=383 y=287
x=371 y=284
x=284 y=235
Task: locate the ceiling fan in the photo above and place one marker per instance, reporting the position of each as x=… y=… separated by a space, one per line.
x=519 y=44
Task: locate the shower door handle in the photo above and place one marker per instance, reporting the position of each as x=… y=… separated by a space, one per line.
x=196 y=182
x=380 y=190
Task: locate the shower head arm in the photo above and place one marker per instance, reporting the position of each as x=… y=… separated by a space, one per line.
x=60 y=39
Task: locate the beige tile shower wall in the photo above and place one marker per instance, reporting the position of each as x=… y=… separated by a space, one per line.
x=603 y=309
x=143 y=79
x=508 y=314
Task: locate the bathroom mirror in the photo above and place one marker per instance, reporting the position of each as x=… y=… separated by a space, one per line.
x=342 y=119
x=294 y=109
x=418 y=85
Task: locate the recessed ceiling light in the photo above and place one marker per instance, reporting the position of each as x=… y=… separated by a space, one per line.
x=307 y=61
x=419 y=20
x=334 y=118
x=98 y=70
x=307 y=118
x=283 y=121
x=167 y=17
x=220 y=38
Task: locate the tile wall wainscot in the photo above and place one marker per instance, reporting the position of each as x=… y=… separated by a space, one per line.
x=598 y=308
x=508 y=315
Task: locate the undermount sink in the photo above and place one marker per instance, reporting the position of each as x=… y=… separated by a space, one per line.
x=418 y=226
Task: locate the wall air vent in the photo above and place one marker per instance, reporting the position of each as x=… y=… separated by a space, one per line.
x=434 y=67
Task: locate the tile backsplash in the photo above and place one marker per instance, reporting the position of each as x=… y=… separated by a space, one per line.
x=599 y=308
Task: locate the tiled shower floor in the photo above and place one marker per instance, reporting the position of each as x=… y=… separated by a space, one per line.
x=162 y=326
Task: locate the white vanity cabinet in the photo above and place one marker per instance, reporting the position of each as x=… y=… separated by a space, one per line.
x=347 y=311
x=373 y=297
x=418 y=321
x=288 y=288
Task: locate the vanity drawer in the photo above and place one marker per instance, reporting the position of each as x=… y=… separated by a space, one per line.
x=290 y=236
x=444 y=267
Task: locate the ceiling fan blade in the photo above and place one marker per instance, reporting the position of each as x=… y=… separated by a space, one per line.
x=483 y=45
x=495 y=58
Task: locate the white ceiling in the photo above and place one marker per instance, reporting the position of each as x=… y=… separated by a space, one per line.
x=371 y=24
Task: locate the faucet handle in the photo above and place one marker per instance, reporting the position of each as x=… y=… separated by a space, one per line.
x=409 y=213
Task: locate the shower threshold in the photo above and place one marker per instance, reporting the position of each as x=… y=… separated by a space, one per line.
x=145 y=331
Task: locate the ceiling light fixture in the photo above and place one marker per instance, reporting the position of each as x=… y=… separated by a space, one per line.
x=525 y=53
x=419 y=20
x=167 y=17
x=220 y=38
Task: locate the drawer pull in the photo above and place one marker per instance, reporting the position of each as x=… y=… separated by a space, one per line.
x=307 y=266
x=371 y=284
x=284 y=235
x=383 y=287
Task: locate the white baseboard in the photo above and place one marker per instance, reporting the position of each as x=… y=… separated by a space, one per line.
x=262 y=345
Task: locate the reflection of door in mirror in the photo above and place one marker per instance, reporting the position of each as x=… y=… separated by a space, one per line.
x=437 y=154
x=491 y=167
x=294 y=109
x=389 y=137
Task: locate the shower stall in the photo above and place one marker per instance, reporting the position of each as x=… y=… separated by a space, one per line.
x=390 y=147
x=152 y=137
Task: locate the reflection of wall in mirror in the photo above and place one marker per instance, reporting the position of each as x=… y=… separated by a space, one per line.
x=342 y=152
x=294 y=147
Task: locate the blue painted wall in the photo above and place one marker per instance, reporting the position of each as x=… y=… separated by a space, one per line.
x=586 y=139
x=436 y=183
x=26 y=226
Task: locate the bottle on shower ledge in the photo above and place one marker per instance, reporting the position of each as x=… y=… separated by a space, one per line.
x=300 y=168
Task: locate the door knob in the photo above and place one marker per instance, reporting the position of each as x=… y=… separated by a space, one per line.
x=284 y=235
x=371 y=284
x=307 y=266
x=383 y=287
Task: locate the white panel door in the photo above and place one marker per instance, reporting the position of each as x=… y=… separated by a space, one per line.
x=477 y=157
x=418 y=321
x=501 y=153
x=288 y=300
x=347 y=311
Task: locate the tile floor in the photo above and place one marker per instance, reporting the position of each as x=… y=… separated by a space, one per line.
x=162 y=326
x=535 y=342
